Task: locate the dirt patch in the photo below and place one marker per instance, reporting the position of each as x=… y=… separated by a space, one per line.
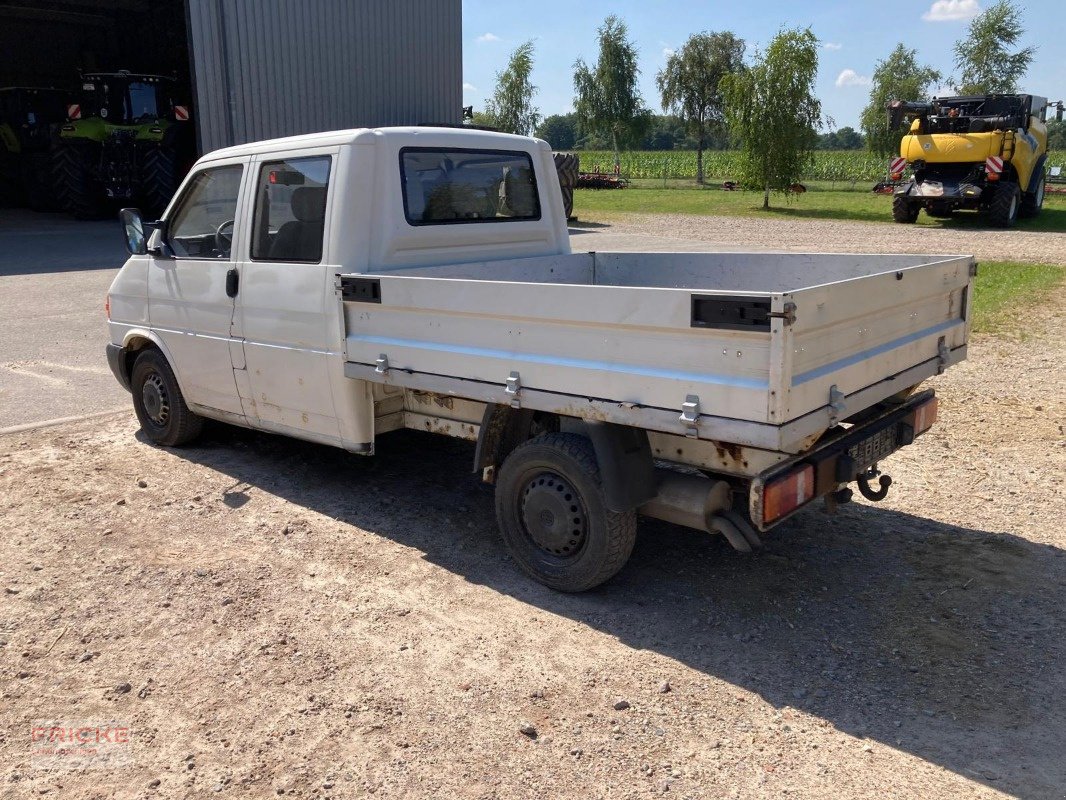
x=274 y=617
x=834 y=236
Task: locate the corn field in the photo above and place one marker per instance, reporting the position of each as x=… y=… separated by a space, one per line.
x=829 y=165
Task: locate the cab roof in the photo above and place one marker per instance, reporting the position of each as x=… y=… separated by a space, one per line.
x=452 y=136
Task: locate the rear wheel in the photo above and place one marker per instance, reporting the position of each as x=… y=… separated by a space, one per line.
x=159 y=403
x=1003 y=210
x=77 y=189
x=903 y=210
x=159 y=173
x=553 y=516
x=1033 y=201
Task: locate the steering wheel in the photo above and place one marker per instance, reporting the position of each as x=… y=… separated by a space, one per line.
x=223 y=240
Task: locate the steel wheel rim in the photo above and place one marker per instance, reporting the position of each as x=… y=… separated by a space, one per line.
x=552 y=515
x=155 y=399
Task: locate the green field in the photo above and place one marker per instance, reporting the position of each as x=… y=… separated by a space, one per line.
x=1004 y=288
x=839 y=166
x=823 y=200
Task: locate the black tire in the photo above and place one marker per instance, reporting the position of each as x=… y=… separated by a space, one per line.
x=1007 y=201
x=1033 y=201
x=159 y=403
x=38 y=182
x=159 y=179
x=903 y=210
x=76 y=187
x=568 y=201
x=567 y=165
x=575 y=542
x=10 y=185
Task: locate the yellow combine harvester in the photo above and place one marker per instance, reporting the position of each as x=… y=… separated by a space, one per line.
x=982 y=153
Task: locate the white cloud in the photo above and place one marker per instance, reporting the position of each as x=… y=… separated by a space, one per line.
x=850 y=77
x=469 y=87
x=668 y=51
x=952 y=10
x=832 y=45
x=488 y=37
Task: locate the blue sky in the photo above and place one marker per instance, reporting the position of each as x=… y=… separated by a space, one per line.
x=854 y=36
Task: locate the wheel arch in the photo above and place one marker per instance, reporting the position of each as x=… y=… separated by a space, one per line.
x=136 y=341
x=623 y=453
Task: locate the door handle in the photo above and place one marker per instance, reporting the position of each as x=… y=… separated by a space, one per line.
x=232 y=281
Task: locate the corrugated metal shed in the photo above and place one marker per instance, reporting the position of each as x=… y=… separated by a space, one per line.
x=267 y=68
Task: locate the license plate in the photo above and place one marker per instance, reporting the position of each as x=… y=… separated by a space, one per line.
x=871 y=450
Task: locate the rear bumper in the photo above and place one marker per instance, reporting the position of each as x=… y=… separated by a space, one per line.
x=840 y=459
x=116 y=359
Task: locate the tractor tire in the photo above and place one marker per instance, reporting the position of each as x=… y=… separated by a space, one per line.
x=159 y=180
x=904 y=211
x=1003 y=210
x=568 y=202
x=77 y=189
x=1033 y=201
x=568 y=166
x=10 y=186
x=38 y=183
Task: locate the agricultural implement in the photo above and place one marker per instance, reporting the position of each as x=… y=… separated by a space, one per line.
x=983 y=153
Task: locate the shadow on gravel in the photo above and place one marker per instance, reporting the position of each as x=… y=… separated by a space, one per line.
x=943 y=642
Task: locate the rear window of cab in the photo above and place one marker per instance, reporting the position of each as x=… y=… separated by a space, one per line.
x=447 y=186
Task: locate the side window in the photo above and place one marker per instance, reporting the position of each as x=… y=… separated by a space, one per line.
x=202 y=224
x=442 y=187
x=290 y=210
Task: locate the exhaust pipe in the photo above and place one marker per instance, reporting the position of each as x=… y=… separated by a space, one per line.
x=698 y=502
x=689 y=500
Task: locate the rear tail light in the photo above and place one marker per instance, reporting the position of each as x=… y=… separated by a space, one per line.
x=992 y=176
x=107 y=307
x=785 y=494
x=925 y=415
x=896 y=176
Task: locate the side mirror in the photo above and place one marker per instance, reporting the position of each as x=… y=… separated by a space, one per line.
x=133 y=228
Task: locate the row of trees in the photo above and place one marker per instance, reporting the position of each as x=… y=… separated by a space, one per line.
x=713 y=95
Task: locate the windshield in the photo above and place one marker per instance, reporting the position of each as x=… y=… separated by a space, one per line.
x=123 y=101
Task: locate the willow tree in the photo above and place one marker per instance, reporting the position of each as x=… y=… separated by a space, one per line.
x=511 y=106
x=898 y=77
x=689 y=84
x=773 y=113
x=607 y=100
x=984 y=57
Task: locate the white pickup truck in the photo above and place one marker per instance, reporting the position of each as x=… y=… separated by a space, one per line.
x=338 y=286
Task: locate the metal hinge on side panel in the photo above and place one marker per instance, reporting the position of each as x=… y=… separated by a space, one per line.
x=382 y=367
x=788 y=314
x=837 y=406
x=514 y=386
x=942 y=355
x=690 y=415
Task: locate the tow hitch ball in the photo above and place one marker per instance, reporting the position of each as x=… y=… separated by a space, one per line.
x=874 y=495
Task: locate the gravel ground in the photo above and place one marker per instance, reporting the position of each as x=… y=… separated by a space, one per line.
x=271 y=617
x=822 y=236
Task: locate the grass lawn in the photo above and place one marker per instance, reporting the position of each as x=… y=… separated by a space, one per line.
x=1004 y=289
x=821 y=201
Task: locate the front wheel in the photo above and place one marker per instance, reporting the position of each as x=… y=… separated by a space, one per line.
x=1003 y=210
x=553 y=516
x=159 y=403
x=903 y=210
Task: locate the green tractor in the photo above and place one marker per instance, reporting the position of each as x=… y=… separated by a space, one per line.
x=127 y=141
x=28 y=118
